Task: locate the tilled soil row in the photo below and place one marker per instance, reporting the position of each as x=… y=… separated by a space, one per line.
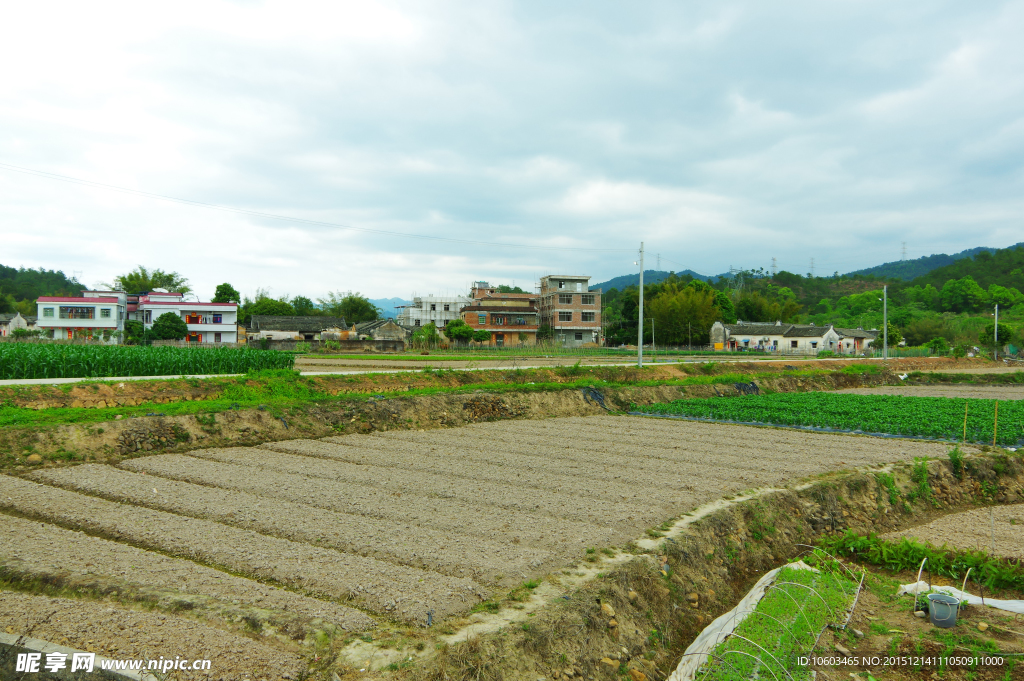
x=54 y=554
x=998 y=530
x=984 y=392
x=405 y=544
x=506 y=495
x=401 y=592
x=565 y=538
x=119 y=633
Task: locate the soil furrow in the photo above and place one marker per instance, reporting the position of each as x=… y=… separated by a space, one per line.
x=566 y=538
x=90 y=564
x=401 y=592
x=558 y=504
x=446 y=552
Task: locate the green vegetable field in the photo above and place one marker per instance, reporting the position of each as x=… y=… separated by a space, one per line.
x=30 y=360
x=929 y=417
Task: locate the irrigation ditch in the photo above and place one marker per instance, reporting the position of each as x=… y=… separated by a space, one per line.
x=643 y=604
x=121 y=437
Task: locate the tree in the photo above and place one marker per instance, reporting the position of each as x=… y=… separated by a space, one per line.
x=678 y=313
x=169 y=326
x=134 y=331
x=269 y=306
x=962 y=295
x=923 y=331
x=894 y=335
x=226 y=293
x=504 y=288
x=304 y=306
x=459 y=331
x=354 y=308
x=426 y=337
x=986 y=338
x=482 y=335
x=939 y=345
x=141 y=280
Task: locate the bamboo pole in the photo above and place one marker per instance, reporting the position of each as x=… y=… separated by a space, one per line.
x=966 y=405
x=995 y=425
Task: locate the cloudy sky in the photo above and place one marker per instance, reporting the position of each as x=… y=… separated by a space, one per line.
x=719 y=133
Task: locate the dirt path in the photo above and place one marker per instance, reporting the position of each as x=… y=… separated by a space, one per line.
x=1000 y=526
x=966 y=390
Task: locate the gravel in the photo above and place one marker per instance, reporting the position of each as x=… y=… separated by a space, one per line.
x=82 y=562
x=566 y=538
x=510 y=493
x=401 y=592
x=120 y=633
x=447 y=552
x=984 y=392
x=974 y=530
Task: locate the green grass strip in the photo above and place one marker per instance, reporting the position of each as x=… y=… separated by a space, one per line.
x=930 y=417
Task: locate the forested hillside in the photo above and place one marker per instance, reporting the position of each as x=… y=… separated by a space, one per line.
x=19 y=288
x=918 y=267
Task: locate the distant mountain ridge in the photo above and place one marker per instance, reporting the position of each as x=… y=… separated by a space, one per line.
x=387 y=305
x=918 y=267
x=650 y=277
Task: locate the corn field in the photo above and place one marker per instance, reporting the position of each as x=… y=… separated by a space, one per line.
x=25 y=360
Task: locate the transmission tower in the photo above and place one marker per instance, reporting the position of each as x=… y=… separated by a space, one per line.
x=659 y=262
x=903 y=255
x=774 y=268
x=812 y=267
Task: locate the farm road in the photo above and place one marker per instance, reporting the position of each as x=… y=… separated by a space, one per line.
x=961 y=390
x=396 y=523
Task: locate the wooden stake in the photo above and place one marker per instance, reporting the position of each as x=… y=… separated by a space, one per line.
x=995 y=425
x=966 y=404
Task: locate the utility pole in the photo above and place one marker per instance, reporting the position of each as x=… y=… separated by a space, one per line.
x=689 y=334
x=995 y=352
x=640 y=317
x=885 y=322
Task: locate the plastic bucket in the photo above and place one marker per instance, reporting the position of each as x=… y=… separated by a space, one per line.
x=942 y=609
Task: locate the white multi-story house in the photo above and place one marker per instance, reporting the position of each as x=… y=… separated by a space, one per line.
x=437 y=309
x=96 y=314
x=206 y=322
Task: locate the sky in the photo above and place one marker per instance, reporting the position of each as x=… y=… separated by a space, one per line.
x=520 y=138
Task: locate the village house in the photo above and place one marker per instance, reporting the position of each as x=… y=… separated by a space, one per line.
x=511 y=318
x=570 y=309
x=426 y=309
x=379 y=329
x=10 y=323
x=206 y=322
x=789 y=338
x=99 y=315
x=294 y=327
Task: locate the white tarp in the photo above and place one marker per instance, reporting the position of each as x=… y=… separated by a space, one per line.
x=697 y=654
x=922 y=587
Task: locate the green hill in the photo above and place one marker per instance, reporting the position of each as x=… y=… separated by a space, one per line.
x=19 y=287
x=911 y=269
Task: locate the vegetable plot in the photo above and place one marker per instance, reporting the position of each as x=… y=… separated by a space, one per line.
x=25 y=360
x=931 y=417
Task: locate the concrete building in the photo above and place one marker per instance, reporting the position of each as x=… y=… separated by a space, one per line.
x=299 y=328
x=802 y=339
x=206 y=322
x=511 y=318
x=570 y=309
x=426 y=309
x=99 y=315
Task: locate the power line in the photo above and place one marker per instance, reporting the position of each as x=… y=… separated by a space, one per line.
x=275 y=216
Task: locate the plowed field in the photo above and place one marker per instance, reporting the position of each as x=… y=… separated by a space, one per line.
x=392 y=526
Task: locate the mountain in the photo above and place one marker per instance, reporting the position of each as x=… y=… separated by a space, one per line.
x=1003 y=267
x=911 y=269
x=387 y=305
x=650 y=277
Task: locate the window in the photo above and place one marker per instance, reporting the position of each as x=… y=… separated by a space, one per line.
x=497 y=319
x=417 y=322
x=579 y=286
x=561 y=284
x=148 y=317
x=521 y=321
x=481 y=319
x=588 y=316
x=47 y=311
x=792 y=344
x=587 y=299
x=565 y=299
x=77 y=312
x=104 y=313
x=814 y=344
x=446 y=307
x=433 y=307
x=218 y=319
x=565 y=316
x=579 y=336
x=216 y=338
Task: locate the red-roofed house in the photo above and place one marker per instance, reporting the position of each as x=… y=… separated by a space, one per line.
x=97 y=314
x=206 y=322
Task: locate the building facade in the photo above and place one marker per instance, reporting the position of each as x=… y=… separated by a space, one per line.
x=510 y=321
x=207 y=322
x=570 y=309
x=99 y=315
x=294 y=327
x=9 y=323
x=802 y=339
x=437 y=309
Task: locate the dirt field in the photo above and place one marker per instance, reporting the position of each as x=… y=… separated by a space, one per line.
x=985 y=392
x=390 y=528
x=975 y=530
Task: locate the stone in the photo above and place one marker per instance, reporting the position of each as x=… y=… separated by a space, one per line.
x=637 y=675
x=609 y=661
x=633 y=595
x=613 y=623
x=982 y=626
x=34 y=459
x=858 y=633
x=842 y=649
x=118 y=417
x=693 y=597
x=920 y=613
x=607 y=610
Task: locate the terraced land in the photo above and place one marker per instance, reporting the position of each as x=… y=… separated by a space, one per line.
x=398 y=526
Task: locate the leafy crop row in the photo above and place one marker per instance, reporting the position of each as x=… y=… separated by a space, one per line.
x=24 y=360
x=931 y=417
